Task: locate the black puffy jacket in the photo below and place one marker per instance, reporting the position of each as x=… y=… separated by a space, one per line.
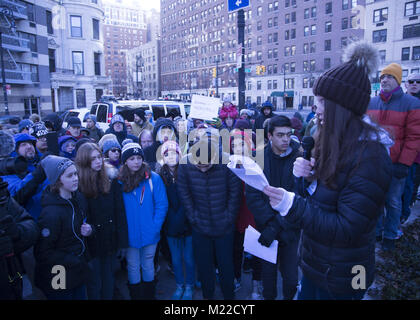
x=61 y=242
x=339 y=225
x=259 y=204
x=28 y=235
x=106 y=215
x=211 y=199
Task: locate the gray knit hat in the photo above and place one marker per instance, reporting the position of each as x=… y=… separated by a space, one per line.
x=55 y=166
x=7 y=144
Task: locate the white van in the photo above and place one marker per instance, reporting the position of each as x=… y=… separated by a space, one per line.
x=104 y=111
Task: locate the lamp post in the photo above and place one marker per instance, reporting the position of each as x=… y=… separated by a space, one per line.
x=6 y=13
x=138 y=59
x=284 y=85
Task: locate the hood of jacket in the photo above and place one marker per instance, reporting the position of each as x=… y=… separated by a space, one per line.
x=163 y=123
x=56 y=121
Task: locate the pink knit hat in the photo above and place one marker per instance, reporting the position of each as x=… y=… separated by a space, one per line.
x=229 y=111
x=170 y=145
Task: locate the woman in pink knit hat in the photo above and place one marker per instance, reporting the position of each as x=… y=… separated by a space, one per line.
x=228 y=114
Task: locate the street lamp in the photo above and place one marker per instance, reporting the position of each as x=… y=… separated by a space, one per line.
x=284 y=85
x=7 y=14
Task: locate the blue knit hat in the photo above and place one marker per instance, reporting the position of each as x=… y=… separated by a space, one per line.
x=23 y=137
x=109 y=144
x=25 y=124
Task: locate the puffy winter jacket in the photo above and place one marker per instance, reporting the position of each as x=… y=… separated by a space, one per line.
x=339 y=225
x=61 y=242
x=211 y=199
x=106 y=215
x=401 y=117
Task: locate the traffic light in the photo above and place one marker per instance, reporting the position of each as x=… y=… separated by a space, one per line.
x=262 y=70
x=214 y=70
x=258 y=70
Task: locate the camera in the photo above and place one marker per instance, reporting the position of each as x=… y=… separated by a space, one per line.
x=15 y=165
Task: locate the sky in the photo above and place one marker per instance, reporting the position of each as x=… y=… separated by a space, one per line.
x=144 y=4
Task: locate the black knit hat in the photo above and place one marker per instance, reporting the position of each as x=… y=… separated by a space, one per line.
x=129 y=149
x=348 y=84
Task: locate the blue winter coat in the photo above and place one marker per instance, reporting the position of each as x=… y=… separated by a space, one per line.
x=145 y=220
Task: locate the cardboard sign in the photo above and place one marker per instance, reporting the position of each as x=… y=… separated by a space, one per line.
x=205 y=108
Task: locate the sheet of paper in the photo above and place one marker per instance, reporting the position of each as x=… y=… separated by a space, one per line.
x=255 y=248
x=248 y=171
x=205 y=108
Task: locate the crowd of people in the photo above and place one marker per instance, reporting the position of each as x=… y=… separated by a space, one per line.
x=86 y=198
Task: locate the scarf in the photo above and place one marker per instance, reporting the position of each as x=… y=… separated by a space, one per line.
x=386 y=96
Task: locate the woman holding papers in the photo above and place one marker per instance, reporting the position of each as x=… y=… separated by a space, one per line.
x=350 y=175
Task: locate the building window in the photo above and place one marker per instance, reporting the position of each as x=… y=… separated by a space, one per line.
x=293 y=50
x=313 y=47
x=286 y=35
x=76 y=26
x=412 y=8
x=327 y=45
x=274 y=84
x=344 y=23
x=95 y=24
x=327 y=63
x=380 y=15
x=343 y=42
x=258 y=85
x=328 y=8
x=312 y=65
x=97 y=62
x=81 y=98
x=30 y=11
x=259 y=40
x=382 y=55
x=50 y=29
x=379 y=36
x=78 y=65
x=293 y=67
x=328 y=26
x=416 y=53
x=269 y=85
x=306 y=14
x=311 y=101
x=306 y=48
x=306 y=31
x=405 y=54
x=304 y=101
x=313 y=30
x=51 y=57
x=411 y=31
x=313 y=12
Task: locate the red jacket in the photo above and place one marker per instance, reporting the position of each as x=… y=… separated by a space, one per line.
x=400 y=116
x=245 y=217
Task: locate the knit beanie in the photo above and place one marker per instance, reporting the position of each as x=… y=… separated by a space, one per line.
x=91 y=117
x=7 y=144
x=140 y=113
x=348 y=84
x=81 y=142
x=129 y=149
x=170 y=145
x=23 y=137
x=117 y=118
x=38 y=129
x=63 y=141
x=106 y=137
x=25 y=124
x=395 y=70
x=55 y=166
x=229 y=111
x=110 y=144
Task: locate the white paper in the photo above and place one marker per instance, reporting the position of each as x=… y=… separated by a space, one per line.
x=205 y=108
x=255 y=248
x=249 y=171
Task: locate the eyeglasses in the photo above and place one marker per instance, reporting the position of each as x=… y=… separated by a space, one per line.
x=414 y=81
x=115 y=150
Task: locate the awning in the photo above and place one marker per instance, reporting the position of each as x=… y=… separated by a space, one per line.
x=280 y=93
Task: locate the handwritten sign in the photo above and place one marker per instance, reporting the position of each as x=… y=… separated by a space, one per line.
x=205 y=108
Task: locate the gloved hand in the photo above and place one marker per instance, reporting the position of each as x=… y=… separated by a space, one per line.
x=400 y=170
x=268 y=235
x=9 y=226
x=39 y=174
x=6 y=245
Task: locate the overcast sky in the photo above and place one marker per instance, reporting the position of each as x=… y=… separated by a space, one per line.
x=144 y=4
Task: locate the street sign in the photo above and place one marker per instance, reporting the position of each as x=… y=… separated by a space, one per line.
x=8 y=89
x=237 y=4
x=248 y=70
x=239 y=56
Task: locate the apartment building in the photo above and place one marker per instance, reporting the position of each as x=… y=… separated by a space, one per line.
x=125 y=28
x=143 y=71
x=23 y=26
x=294 y=41
x=75 y=53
